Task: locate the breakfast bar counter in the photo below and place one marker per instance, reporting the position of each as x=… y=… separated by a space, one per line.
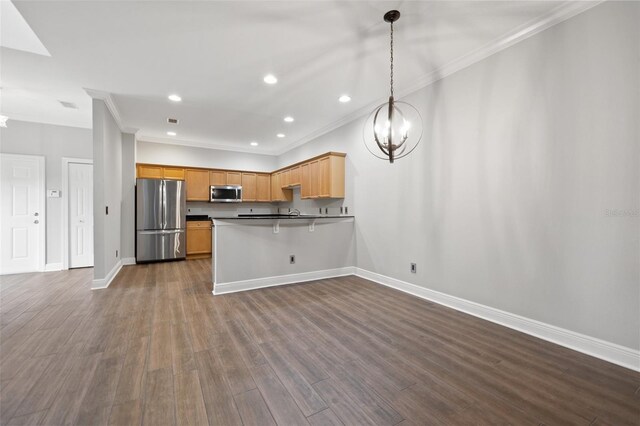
x=258 y=251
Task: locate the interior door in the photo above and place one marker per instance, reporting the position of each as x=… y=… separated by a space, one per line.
x=80 y=215
x=22 y=224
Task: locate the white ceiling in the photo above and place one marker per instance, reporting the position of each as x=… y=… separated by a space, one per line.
x=215 y=54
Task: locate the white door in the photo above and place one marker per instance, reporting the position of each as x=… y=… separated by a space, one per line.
x=22 y=225
x=80 y=215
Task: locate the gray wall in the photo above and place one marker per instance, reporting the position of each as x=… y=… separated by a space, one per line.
x=504 y=203
x=54 y=142
x=107 y=189
x=158 y=153
x=127 y=235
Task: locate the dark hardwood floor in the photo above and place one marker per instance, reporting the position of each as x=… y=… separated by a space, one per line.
x=158 y=348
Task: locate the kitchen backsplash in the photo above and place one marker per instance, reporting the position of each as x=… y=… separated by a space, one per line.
x=330 y=206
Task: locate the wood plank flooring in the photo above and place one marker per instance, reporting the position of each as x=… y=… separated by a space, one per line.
x=158 y=348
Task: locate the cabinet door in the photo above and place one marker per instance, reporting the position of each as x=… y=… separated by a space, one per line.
x=234 y=178
x=217 y=177
x=197 y=185
x=275 y=186
x=198 y=238
x=314 y=179
x=249 y=186
x=147 y=171
x=294 y=176
x=173 y=173
x=284 y=179
x=324 y=177
x=263 y=187
x=305 y=181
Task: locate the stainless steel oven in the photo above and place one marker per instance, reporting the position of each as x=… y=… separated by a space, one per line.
x=226 y=194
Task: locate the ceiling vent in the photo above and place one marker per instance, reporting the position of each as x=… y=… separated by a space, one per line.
x=68 y=104
x=172 y=120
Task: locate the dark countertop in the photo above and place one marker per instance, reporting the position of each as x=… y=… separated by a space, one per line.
x=283 y=216
x=197 y=217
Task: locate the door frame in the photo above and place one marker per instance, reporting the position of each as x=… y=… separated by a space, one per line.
x=65 y=205
x=42 y=243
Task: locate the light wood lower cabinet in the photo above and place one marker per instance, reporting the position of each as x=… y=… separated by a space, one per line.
x=197 y=181
x=198 y=239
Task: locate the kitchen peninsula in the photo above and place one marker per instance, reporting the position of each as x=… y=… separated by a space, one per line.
x=261 y=251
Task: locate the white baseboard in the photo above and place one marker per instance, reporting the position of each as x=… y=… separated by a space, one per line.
x=128 y=261
x=104 y=282
x=611 y=352
x=51 y=267
x=235 y=286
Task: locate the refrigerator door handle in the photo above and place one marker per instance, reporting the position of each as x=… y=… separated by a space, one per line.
x=164 y=205
x=163 y=232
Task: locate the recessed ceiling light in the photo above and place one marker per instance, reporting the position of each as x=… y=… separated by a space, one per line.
x=344 y=98
x=270 y=79
x=280 y=135
x=288 y=119
x=254 y=144
x=175 y=98
x=171 y=133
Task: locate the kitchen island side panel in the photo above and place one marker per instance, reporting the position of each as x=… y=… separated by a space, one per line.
x=251 y=250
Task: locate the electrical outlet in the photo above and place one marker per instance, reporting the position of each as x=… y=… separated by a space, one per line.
x=413 y=268
x=292 y=259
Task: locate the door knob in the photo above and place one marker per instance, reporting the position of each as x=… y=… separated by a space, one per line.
x=81 y=221
x=36 y=214
x=36 y=221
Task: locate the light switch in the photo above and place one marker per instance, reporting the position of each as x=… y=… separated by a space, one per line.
x=53 y=193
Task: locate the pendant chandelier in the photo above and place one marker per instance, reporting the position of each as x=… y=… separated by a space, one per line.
x=394 y=129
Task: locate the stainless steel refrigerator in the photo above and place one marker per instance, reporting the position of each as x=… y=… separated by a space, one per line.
x=161 y=214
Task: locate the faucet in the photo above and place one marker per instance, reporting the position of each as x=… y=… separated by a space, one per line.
x=294 y=212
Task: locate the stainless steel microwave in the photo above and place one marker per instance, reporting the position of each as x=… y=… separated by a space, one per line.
x=225 y=194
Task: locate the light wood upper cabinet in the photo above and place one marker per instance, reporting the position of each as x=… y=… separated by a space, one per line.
x=148 y=171
x=263 y=187
x=294 y=176
x=323 y=177
x=284 y=178
x=217 y=177
x=305 y=181
x=234 y=178
x=154 y=171
x=197 y=181
x=249 y=186
x=277 y=192
x=176 y=173
x=319 y=177
x=314 y=179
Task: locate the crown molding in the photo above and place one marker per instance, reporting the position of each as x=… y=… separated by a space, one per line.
x=111 y=105
x=557 y=15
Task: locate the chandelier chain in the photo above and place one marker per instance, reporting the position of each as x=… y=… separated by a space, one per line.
x=391 y=58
